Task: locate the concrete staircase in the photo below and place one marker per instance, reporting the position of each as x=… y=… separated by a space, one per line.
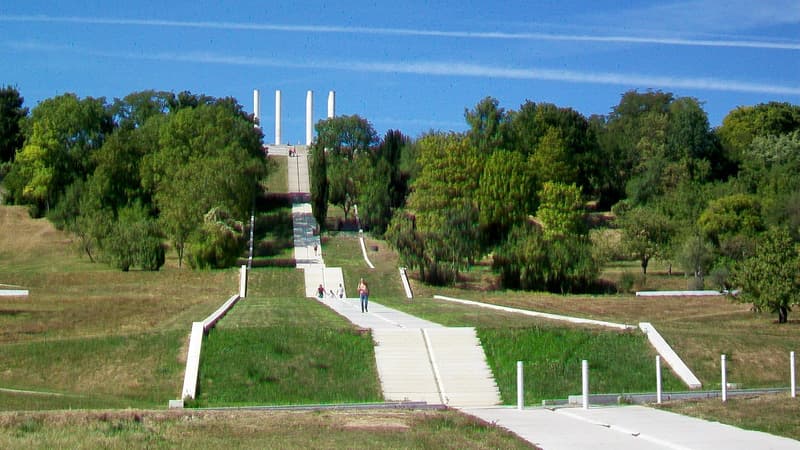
x=434 y=365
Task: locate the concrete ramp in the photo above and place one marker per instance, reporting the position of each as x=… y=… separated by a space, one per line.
x=404 y=366
x=464 y=375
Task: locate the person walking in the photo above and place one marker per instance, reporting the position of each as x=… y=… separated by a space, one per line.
x=340 y=291
x=320 y=291
x=363 y=294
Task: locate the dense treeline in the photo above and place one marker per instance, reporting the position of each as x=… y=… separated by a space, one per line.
x=521 y=188
x=125 y=176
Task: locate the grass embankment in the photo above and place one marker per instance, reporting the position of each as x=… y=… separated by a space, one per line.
x=776 y=414
x=251 y=429
x=100 y=337
x=620 y=361
x=276 y=347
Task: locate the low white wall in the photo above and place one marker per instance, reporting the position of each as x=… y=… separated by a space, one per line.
x=677 y=293
x=364 y=250
x=670 y=357
x=199 y=329
x=619 y=326
x=13 y=292
x=193 y=361
x=404 y=279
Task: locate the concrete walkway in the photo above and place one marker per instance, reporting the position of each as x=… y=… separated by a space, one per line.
x=419 y=360
x=625 y=427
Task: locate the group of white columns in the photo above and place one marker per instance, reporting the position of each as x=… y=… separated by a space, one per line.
x=309 y=113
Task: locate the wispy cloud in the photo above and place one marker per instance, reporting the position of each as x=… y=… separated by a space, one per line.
x=412 y=32
x=442 y=68
x=710 y=16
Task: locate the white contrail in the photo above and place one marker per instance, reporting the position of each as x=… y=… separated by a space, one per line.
x=617 y=39
x=445 y=68
x=480 y=71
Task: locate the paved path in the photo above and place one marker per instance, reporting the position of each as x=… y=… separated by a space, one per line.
x=625 y=427
x=419 y=360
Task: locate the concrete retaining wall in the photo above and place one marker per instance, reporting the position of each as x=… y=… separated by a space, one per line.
x=670 y=357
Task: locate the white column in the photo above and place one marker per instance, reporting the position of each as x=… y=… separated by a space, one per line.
x=520 y=391
x=257 y=108
x=309 y=116
x=331 y=104
x=724 y=379
x=585 y=383
x=658 y=378
x=792 y=374
x=278 y=118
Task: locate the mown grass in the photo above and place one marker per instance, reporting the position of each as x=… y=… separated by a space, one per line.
x=552 y=362
x=101 y=337
x=133 y=371
x=776 y=414
x=277 y=347
x=288 y=365
x=252 y=429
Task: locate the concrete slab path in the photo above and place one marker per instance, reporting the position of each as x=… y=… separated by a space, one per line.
x=625 y=427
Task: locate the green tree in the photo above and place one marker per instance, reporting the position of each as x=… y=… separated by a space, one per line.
x=561 y=210
x=209 y=157
x=318 y=174
x=488 y=125
x=135 y=240
x=375 y=202
x=530 y=260
x=696 y=256
x=345 y=136
x=442 y=204
x=62 y=133
x=770 y=278
x=745 y=123
x=506 y=193
x=11 y=116
x=730 y=216
x=646 y=233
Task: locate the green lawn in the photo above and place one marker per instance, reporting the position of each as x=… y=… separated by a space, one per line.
x=277 y=347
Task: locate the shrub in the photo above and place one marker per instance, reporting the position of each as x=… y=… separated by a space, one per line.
x=531 y=261
x=217 y=244
x=135 y=240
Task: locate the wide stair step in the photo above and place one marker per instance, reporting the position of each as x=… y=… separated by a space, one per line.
x=436 y=365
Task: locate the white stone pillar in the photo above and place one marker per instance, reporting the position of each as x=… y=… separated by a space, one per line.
x=792 y=375
x=520 y=387
x=243 y=281
x=331 y=104
x=309 y=116
x=278 y=117
x=658 y=379
x=724 y=379
x=257 y=108
x=585 y=383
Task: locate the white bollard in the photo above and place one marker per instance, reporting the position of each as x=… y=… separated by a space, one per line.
x=658 y=379
x=243 y=281
x=585 y=377
x=520 y=392
x=792 y=374
x=724 y=380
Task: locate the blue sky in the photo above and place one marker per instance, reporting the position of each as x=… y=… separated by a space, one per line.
x=408 y=65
